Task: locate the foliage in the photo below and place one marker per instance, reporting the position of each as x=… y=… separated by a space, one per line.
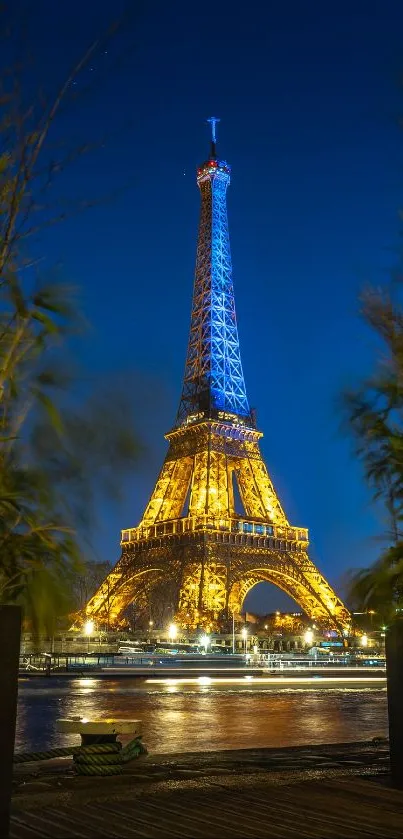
x=86 y=583
x=59 y=452
x=375 y=416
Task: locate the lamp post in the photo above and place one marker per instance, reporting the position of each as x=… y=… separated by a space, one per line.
x=308 y=637
x=244 y=634
x=88 y=630
x=172 y=632
x=233 y=633
x=205 y=640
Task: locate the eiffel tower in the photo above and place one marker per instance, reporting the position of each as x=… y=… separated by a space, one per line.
x=192 y=548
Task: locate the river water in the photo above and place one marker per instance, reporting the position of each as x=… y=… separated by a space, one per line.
x=202 y=717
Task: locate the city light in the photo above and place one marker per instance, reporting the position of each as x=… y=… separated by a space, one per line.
x=151 y=623
x=172 y=632
x=205 y=640
x=364 y=640
x=89 y=627
x=308 y=637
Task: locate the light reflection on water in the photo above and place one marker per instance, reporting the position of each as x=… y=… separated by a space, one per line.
x=179 y=718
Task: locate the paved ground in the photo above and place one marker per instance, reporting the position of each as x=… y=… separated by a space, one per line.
x=319 y=793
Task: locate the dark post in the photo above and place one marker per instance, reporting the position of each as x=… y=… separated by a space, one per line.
x=10 y=631
x=394 y=671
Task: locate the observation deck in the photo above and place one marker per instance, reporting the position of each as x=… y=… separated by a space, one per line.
x=213 y=167
x=232 y=530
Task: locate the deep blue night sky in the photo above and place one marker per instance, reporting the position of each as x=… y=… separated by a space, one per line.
x=308 y=95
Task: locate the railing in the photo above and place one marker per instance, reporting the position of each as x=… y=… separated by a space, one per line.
x=45 y=662
x=192 y=524
x=97 y=661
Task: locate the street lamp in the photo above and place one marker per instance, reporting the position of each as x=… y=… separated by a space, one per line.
x=172 y=632
x=308 y=637
x=89 y=627
x=244 y=634
x=364 y=640
x=205 y=640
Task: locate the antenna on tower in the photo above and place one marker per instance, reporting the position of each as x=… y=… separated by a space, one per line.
x=213 y=122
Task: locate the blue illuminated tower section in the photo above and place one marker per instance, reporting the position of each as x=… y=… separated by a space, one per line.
x=213 y=379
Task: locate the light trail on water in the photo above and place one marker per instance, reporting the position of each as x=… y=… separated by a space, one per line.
x=208 y=714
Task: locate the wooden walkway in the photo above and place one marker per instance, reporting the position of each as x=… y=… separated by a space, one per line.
x=330 y=808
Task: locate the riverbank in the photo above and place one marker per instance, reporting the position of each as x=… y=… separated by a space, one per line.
x=317 y=791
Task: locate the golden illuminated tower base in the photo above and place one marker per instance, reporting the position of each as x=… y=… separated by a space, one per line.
x=195 y=555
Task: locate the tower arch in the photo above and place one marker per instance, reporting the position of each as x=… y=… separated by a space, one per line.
x=298 y=589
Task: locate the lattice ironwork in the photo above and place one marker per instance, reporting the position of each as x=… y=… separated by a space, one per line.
x=213 y=379
x=193 y=548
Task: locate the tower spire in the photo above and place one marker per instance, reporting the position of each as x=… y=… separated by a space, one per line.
x=213 y=122
x=213 y=381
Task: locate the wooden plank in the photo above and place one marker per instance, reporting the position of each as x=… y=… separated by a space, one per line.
x=314 y=809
